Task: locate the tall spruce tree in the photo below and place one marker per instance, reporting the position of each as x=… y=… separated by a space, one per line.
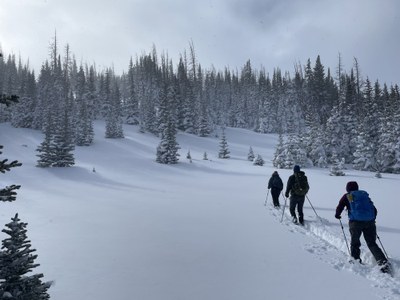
x=279 y=155
x=167 y=150
x=62 y=144
x=113 y=108
x=16 y=261
x=223 y=146
x=131 y=107
x=8 y=193
x=84 y=130
x=45 y=149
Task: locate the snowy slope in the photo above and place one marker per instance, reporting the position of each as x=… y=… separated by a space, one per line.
x=135 y=229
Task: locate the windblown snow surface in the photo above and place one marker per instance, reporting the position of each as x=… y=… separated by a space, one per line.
x=118 y=225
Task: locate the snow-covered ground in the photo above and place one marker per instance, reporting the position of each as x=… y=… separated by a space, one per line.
x=135 y=229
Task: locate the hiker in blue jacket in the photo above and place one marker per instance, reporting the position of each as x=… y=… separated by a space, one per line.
x=362 y=214
x=276 y=185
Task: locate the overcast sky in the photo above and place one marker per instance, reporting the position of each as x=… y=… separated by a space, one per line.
x=225 y=33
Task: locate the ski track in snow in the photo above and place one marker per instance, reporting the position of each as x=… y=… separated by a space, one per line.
x=329 y=246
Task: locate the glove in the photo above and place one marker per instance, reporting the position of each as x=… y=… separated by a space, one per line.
x=338 y=217
x=287 y=195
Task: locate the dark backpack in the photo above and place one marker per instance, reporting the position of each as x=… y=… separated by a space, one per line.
x=361 y=206
x=277 y=182
x=300 y=186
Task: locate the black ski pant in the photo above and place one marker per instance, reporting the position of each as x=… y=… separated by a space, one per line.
x=275 y=196
x=299 y=202
x=368 y=229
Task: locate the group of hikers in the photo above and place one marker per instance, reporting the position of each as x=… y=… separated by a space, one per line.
x=361 y=212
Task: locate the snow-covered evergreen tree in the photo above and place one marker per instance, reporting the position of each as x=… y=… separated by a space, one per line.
x=316 y=148
x=368 y=132
x=279 y=157
x=259 y=161
x=113 y=113
x=131 y=107
x=205 y=156
x=250 y=155
x=189 y=156
x=21 y=114
x=84 y=128
x=16 y=261
x=167 y=150
x=45 y=149
x=62 y=144
x=223 y=146
x=8 y=193
x=363 y=154
x=337 y=167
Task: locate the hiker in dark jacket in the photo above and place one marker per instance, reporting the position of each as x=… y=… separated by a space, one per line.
x=298 y=187
x=276 y=185
x=361 y=223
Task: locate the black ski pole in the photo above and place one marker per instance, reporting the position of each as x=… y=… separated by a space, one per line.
x=312 y=207
x=383 y=248
x=347 y=244
x=266 y=199
x=284 y=206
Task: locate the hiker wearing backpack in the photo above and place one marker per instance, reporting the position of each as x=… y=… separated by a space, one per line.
x=362 y=214
x=276 y=185
x=298 y=187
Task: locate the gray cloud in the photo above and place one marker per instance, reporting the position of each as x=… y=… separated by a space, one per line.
x=225 y=33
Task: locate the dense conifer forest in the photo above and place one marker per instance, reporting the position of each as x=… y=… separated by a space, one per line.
x=323 y=116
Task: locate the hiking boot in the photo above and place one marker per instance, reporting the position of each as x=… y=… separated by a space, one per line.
x=385 y=266
x=294 y=220
x=301 y=220
x=352 y=261
x=382 y=262
x=387 y=269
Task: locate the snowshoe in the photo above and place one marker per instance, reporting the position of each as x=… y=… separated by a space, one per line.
x=354 y=260
x=386 y=268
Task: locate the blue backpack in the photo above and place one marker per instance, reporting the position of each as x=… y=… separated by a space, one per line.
x=361 y=206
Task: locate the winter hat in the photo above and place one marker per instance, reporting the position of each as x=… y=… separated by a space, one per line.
x=352 y=186
x=275 y=173
x=296 y=169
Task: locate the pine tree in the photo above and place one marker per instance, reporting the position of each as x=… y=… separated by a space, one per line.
x=8 y=193
x=223 y=146
x=316 y=147
x=259 y=161
x=62 y=145
x=167 y=150
x=189 y=156
x=279 y=157
x=205 y=157
x=363 y=154
x=250 y=155
x=84 y=129
x=45 y=149
x=113 y=109
x=131 y=108
x=337 y=167
x=22 y=112
x=16 y=260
